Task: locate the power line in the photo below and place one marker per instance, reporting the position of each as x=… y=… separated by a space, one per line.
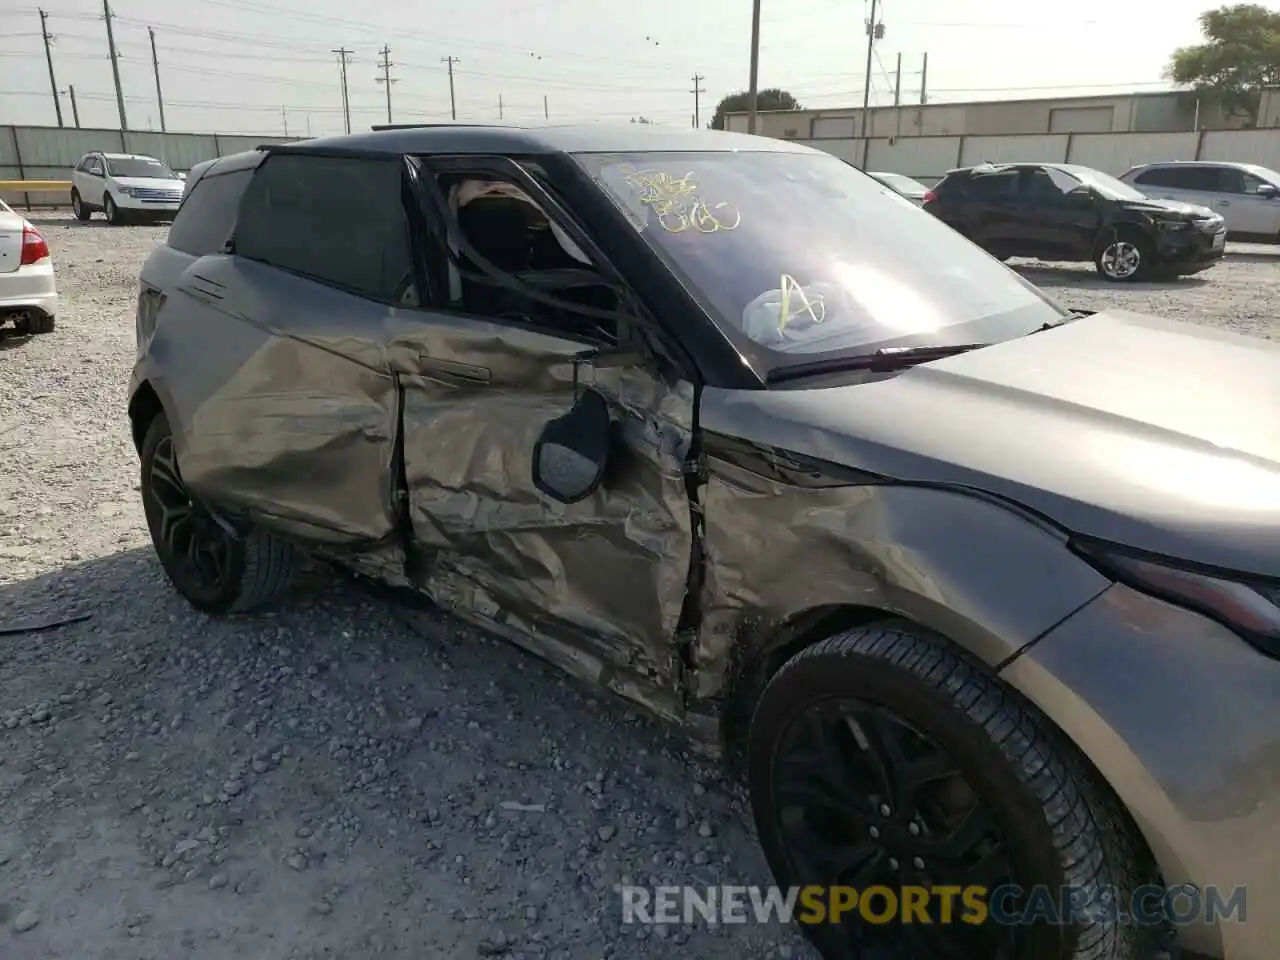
x=453 y=103
x=386 y=79
x=344 y=56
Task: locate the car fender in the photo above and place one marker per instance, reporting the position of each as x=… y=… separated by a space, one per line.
x=783 y=554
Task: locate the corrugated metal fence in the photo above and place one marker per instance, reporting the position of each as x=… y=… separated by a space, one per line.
x=50 y=153
x=928 y=158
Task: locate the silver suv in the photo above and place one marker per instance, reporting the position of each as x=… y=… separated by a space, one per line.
x=1247 y=196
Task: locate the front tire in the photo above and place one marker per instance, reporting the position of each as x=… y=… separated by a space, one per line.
x=214 y=570
x=884 y=756
x=111 y=211
x=1124 y=256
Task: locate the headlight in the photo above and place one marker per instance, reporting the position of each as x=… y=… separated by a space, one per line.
x=1247 y=605
x=127 y=191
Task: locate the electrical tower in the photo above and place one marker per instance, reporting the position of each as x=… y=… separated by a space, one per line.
x=385 y=66
x=344 y=57
x=453 y=104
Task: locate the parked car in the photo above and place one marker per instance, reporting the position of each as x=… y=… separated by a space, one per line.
x=28 y=293
x=913 y=190
x=970 y=587
x=1061 y=211
x=1246 y=195
x=125 y=186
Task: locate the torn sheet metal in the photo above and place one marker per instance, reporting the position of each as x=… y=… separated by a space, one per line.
x=608 y=575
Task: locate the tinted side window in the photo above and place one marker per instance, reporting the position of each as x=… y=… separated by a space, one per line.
x=1159 y=177
x=994 y=186
x=208 y=213
x=340 y=221
x=1195 y=178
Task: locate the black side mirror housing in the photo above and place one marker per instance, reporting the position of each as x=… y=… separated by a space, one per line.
x=570 y=456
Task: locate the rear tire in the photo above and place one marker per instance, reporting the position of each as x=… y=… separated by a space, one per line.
x=82 y=212
x=40 y=323
x=214 y=571
x=1056 y=822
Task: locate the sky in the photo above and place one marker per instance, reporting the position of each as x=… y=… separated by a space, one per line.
x=236 y=66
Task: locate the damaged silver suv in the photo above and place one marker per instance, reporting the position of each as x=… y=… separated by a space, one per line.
x=976 y=592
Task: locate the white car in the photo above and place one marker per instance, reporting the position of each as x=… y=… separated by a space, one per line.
x=125 y=186
x=1246 y=195
x=28 y=296
x=913 y=190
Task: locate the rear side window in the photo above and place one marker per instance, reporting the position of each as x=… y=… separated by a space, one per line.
x=337 y=220
x=208 y=213
x=1159 y=177
x=993 y=186
x=1207 y=179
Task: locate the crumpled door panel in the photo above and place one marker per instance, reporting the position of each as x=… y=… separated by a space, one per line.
x=275 y=403
x=610 y=572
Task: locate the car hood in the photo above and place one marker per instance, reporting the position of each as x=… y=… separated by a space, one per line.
x=1159 y=435
x=1177 y=207
x=155 y=183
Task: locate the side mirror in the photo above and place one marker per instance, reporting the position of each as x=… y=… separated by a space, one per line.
x=181 y=175
x=570 y=456
x=1268 y=190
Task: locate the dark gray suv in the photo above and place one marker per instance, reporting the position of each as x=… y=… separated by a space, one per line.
x=975 y=592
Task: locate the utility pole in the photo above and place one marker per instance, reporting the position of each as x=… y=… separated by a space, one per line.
x=897 y=98
x=753 y=91
x=924 y=77
x=499 y=106
x=284 y=120
x=453 y=104
x=115 y=63
x=75 y=112
x=385 y=65
x=344 y=57
x=697 y=92
x=546 y=111
x=155 y=66
x=866 y=88
x=48 y=56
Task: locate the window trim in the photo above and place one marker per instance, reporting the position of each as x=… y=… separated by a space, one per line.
x=232 y=247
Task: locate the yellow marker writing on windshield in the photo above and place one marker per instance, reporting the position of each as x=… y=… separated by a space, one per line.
x=816 y=308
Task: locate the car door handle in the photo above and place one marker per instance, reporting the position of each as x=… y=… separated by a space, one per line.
x=472 y=373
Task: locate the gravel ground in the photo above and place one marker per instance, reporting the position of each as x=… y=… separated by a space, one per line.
x=344 y=777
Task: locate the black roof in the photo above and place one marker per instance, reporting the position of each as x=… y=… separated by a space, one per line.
x=548 y=139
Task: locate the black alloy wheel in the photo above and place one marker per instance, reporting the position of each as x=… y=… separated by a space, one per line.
x=196 y=551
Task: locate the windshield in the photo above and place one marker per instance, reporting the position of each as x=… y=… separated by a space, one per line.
x=139 y=167
x=798 y=253
x=1269 y=175
x=1105 y=183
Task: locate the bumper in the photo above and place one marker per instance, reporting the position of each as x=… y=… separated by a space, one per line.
x=155 y=207
x=29 y=288
x=1179 y=715
x=1191 y=250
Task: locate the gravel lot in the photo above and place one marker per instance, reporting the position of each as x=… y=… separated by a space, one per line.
x=345 y=777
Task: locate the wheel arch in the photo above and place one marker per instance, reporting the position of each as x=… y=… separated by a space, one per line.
x=144 y=406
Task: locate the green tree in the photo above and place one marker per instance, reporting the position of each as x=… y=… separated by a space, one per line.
x=1240 y=56
x=771 y=99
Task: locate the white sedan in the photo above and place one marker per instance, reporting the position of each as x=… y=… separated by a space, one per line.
x=28 y=295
